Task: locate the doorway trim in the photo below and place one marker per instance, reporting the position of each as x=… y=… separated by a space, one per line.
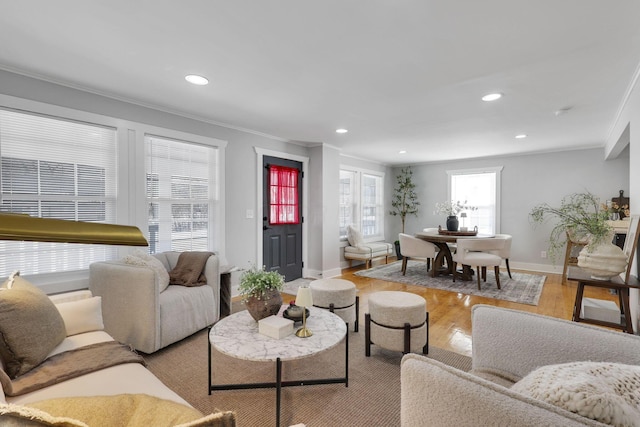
x=260 y=153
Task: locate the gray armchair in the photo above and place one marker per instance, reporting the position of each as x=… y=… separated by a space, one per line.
x=136 y=311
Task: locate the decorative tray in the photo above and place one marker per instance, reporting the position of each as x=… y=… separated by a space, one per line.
x=473 y=232
x=297 y=317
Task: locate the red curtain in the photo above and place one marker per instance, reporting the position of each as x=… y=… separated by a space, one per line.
x=283 y=195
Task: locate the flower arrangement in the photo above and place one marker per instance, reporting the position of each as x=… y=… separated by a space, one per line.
x=613 y=208
x=451 y=208
x=256 y=282
x=580 y=214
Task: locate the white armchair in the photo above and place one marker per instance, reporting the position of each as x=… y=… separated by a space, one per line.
x=138 y=311
x=414 y=248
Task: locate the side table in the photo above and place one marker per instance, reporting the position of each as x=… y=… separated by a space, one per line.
x=583 y=278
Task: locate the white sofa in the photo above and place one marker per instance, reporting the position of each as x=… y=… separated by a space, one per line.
x=358 y=250
x=507 y=345
x=140 y=311
x=98 y=390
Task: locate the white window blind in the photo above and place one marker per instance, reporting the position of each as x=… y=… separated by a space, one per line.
x=182 y=195
x=55 y=168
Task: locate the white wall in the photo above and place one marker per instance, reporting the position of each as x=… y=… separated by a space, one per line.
x=626 y=130
x=527 y=180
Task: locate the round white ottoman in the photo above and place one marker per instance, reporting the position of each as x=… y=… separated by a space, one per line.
x=397 y=321
x=339 y=297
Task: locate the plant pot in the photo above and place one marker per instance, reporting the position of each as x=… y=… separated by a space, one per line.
x=604 y=261
x=398 y=254
x=452 y=223
x=267 y=305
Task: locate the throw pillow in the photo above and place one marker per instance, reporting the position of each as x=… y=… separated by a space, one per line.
x=22 y=416
x=81 y=316
x=143 y=259
x=354 y=237
x=30 y=326
x=603 y=391
x=132 y=410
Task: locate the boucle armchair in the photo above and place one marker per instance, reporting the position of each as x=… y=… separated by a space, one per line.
x=139 y=309
x=506 y=346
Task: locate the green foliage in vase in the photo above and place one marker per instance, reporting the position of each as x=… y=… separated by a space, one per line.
x=256 y=282
x=405 y=200
x=579 y=214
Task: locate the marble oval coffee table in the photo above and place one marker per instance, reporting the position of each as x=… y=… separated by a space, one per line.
x=237 y=336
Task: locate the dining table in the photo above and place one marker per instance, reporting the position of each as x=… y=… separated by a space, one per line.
x=443 y=262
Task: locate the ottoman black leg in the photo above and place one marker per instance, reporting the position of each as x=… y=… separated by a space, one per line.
x=407 y=338
x=425 y=349
x=357 y=322
x=367 y=334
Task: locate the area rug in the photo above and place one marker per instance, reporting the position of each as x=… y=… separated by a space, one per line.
x=372 y=398
x=523 y=288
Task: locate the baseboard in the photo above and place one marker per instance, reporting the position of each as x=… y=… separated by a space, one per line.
x=540 y=268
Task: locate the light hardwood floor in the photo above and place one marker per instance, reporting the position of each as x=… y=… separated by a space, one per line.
x=450 y=313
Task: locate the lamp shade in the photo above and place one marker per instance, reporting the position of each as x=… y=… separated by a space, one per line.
x=304 y=298
x=34 y=229
x=463 y=215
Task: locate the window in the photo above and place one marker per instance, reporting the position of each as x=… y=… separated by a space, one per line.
x=55 y=168
x=480 y=188
x=361 y=203
x=283 y=198
x=182 y=195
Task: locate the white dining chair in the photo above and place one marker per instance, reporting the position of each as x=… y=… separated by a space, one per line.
x=505 y=252
x=477 y=253
x=414 y=248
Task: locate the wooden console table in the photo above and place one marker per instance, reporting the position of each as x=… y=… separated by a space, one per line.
x=583 y=278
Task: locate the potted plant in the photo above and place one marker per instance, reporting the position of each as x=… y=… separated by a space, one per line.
x=404 y=201
x=451 y=209
x=260 y=291
x=583 y=217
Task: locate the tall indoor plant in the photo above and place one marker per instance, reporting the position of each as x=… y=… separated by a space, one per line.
x=260 y=291
x=404 y=201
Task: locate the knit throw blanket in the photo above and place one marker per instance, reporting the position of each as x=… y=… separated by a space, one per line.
x=70 y=364
x=603 y=391
x=189 y=269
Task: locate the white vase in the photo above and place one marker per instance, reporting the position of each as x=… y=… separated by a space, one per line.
x=604 y=261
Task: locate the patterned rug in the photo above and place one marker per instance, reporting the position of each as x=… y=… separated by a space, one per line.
x=523 y=288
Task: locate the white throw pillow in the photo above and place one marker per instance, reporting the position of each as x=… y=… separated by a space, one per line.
x=354 y=237
x=143 y=259
x=81 y=316
x=603 y=391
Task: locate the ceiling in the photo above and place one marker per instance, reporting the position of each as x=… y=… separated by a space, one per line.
x=398 y=74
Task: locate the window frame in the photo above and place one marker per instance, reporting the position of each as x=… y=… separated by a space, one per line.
x=358 y=202
x=497 y=170
x=131 y=208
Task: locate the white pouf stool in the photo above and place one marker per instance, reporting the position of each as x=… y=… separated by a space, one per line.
x=339 y=297
x=397 y=321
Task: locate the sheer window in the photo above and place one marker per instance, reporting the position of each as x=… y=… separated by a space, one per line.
x=361 y=203
x=480 y=188
x=182 y=195
x=54 y=168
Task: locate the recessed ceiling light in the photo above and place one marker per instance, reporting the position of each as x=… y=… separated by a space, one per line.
x=197 y=80
x=341 y=131
x=522 y=135
x=402 y=152
x=492 y=97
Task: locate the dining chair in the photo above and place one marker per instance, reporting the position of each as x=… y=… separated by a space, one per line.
x=477 y=253
x=414 y=248
x=505 y=251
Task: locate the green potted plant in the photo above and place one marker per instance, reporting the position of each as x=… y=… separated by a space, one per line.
x=579 y=214
x=404 y=201
x=583 y=217
x=260 y=292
